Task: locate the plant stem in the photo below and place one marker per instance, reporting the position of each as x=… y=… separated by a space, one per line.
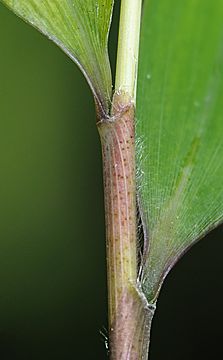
x=118 y=150
x=128 y=47
x=130 y=315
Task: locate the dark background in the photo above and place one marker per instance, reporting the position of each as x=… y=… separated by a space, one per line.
x=52 y=251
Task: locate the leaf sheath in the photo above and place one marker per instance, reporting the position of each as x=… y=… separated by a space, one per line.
x=129 y=313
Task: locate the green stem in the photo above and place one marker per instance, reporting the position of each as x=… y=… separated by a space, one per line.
x=128 y=47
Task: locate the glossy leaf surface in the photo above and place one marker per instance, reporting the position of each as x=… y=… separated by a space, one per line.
x=80 y=28
x=179 y=128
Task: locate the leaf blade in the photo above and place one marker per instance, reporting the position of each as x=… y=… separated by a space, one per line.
x=179 y=128
x=80 y=29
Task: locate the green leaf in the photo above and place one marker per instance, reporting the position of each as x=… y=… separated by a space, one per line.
x=80 y=28
x=179 y=128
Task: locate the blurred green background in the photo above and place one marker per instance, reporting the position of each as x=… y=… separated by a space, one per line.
x=52 y=249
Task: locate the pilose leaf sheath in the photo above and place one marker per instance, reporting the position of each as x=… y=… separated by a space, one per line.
x=80 y=28
x=179 y=129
